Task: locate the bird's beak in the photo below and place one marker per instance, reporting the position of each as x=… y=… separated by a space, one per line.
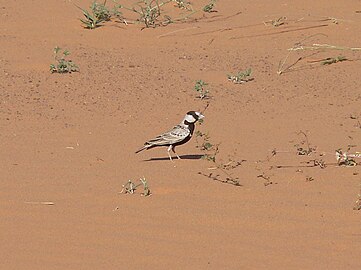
x=201 y=116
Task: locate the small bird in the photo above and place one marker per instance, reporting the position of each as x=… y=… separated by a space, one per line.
x=178 y=135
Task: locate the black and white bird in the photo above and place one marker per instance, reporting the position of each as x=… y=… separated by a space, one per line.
x=178 y=135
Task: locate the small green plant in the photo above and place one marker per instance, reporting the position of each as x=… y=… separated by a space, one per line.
x=98 y=14
x=101 y=12
x=210 y=147
x=62 y=64
x=333 y=60
x=149 y=12
x=241 y=77
x=206 y=146
x=130 y=187
x=210 y=6
x=183 y=4
x=200 y=87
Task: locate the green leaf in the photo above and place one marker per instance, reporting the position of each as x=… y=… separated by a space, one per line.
x=57 y=49
x=207 y=145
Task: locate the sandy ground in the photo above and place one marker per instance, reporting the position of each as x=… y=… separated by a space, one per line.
x=70 y=139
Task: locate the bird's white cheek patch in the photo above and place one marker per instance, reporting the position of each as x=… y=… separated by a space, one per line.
x=190 y=118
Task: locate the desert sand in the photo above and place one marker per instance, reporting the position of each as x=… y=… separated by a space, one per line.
x=68 y=140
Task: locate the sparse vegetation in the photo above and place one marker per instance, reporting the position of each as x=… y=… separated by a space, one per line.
x=301 y=151
x=258 y=183
x=204 y=144
x=225 y=170
x=314 y=49
x=183 y=4
x=210 y=6
x=62 y=64
x=211 y=151
x=98 y=14
x=149 y=13
x=201 y=88
x=241 y=77
x=333 y=60
x=130 y=187
x=345 y=159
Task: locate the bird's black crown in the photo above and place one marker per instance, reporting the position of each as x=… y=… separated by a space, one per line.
x=193 y=113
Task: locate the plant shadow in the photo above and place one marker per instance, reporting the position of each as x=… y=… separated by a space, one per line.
x=189 y=157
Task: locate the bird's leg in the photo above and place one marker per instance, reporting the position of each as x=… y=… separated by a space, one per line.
x=173 y=149
x=170 y=148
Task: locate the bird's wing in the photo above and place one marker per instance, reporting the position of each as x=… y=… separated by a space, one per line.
x=177 y=134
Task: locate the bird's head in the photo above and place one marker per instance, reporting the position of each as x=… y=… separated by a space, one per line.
x=192 y=117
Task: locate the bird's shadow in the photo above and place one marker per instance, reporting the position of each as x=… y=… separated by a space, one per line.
x=189 y=157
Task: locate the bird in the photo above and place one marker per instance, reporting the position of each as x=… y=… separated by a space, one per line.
x=178 y=135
